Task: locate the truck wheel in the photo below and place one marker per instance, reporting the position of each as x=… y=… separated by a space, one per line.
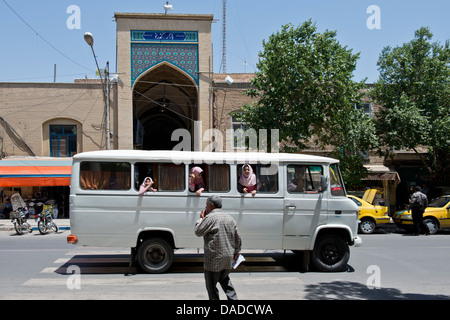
x=155 y=255
x=330 y=254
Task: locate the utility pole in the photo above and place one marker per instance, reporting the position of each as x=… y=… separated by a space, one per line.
x=108 y=130
x=89 y=38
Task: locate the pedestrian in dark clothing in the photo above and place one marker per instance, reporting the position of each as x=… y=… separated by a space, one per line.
x=222 y=244
x=419 y=202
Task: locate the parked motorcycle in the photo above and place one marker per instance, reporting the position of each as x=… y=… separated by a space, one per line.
x=46 y=222
x=20 y=214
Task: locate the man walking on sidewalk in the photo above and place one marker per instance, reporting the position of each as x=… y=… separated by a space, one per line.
x=222 y=244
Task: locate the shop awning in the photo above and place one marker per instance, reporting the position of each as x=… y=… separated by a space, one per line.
x=35 y=172
x=380 y=172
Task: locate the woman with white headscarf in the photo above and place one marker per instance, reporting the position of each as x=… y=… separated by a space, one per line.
x=146 y=185
x=247 y=180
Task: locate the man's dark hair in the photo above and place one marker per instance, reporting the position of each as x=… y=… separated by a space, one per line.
x=417 y=188
x=215 y=200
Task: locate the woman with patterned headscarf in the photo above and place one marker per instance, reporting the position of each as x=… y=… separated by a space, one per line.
x=196 y=182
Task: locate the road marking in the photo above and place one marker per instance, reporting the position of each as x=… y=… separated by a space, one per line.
x=159 y=281
x=49 y=270
x=97 y=252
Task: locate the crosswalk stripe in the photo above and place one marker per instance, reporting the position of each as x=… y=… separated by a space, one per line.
x=157 y=281
x=49 y=270
x=88 y=295
x=98 y=252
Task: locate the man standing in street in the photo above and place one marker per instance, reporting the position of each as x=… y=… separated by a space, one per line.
x=419 y=202
x=222 y=244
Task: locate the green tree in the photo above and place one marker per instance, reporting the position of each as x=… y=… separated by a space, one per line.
x=413 y=90
x=305 y=88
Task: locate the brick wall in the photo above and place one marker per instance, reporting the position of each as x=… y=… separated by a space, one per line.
x=27 y=110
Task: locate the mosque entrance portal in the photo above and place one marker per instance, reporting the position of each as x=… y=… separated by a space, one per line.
x=164 y=99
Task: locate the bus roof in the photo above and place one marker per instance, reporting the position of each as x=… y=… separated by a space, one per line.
x=197 y=156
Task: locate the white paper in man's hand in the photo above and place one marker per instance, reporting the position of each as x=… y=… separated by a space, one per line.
x=238 y=261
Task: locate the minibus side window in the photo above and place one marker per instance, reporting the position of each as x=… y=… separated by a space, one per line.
x=143 y=170
x=265 y=183
x=214 y=177
x=304 y=178
x=171 y=177
x=105 y=175
x=337 y=187
x=200 y=171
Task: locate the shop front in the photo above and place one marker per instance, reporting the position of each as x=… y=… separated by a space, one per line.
x=42 y=182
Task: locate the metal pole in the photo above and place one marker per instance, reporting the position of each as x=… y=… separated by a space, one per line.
x=108 y=131
x=105 y=88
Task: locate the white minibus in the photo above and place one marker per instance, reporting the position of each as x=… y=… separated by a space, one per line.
x=300 y=204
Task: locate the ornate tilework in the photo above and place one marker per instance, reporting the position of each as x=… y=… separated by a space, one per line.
x=146 y=55
x=164 y=36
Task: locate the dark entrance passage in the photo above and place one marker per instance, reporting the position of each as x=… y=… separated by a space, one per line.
x=164 y=99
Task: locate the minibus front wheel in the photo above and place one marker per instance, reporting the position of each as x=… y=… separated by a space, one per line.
x=331 y=253
x=155 y=255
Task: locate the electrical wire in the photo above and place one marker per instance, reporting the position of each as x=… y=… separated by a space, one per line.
x=46 y=77
x=45 y=40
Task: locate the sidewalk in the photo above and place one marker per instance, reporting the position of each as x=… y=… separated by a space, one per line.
x=7 y=225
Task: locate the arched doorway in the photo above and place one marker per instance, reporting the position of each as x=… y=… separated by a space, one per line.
x=164 y=99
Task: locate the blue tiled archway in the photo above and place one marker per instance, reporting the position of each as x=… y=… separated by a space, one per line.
x=147 y=55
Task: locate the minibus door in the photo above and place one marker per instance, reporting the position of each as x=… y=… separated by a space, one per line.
x=304 y=208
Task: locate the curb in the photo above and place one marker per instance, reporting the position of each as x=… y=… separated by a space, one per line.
x=9 y=227
x=59 y=228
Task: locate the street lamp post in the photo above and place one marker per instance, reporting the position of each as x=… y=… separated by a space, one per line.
x=105 y=85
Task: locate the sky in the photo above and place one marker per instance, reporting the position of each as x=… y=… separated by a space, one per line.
x=41 y=33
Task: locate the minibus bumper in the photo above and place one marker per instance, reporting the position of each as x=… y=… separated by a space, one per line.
x=357 y=241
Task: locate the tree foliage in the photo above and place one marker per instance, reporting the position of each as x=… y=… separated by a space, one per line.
x=305 y=88
x=413 y=90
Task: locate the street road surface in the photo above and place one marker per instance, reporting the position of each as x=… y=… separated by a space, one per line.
x=389 y=265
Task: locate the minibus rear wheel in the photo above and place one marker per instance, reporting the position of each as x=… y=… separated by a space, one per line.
x=155 y=255
x=331 y=253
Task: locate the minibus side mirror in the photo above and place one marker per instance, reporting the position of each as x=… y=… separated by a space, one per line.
x=323 y=183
